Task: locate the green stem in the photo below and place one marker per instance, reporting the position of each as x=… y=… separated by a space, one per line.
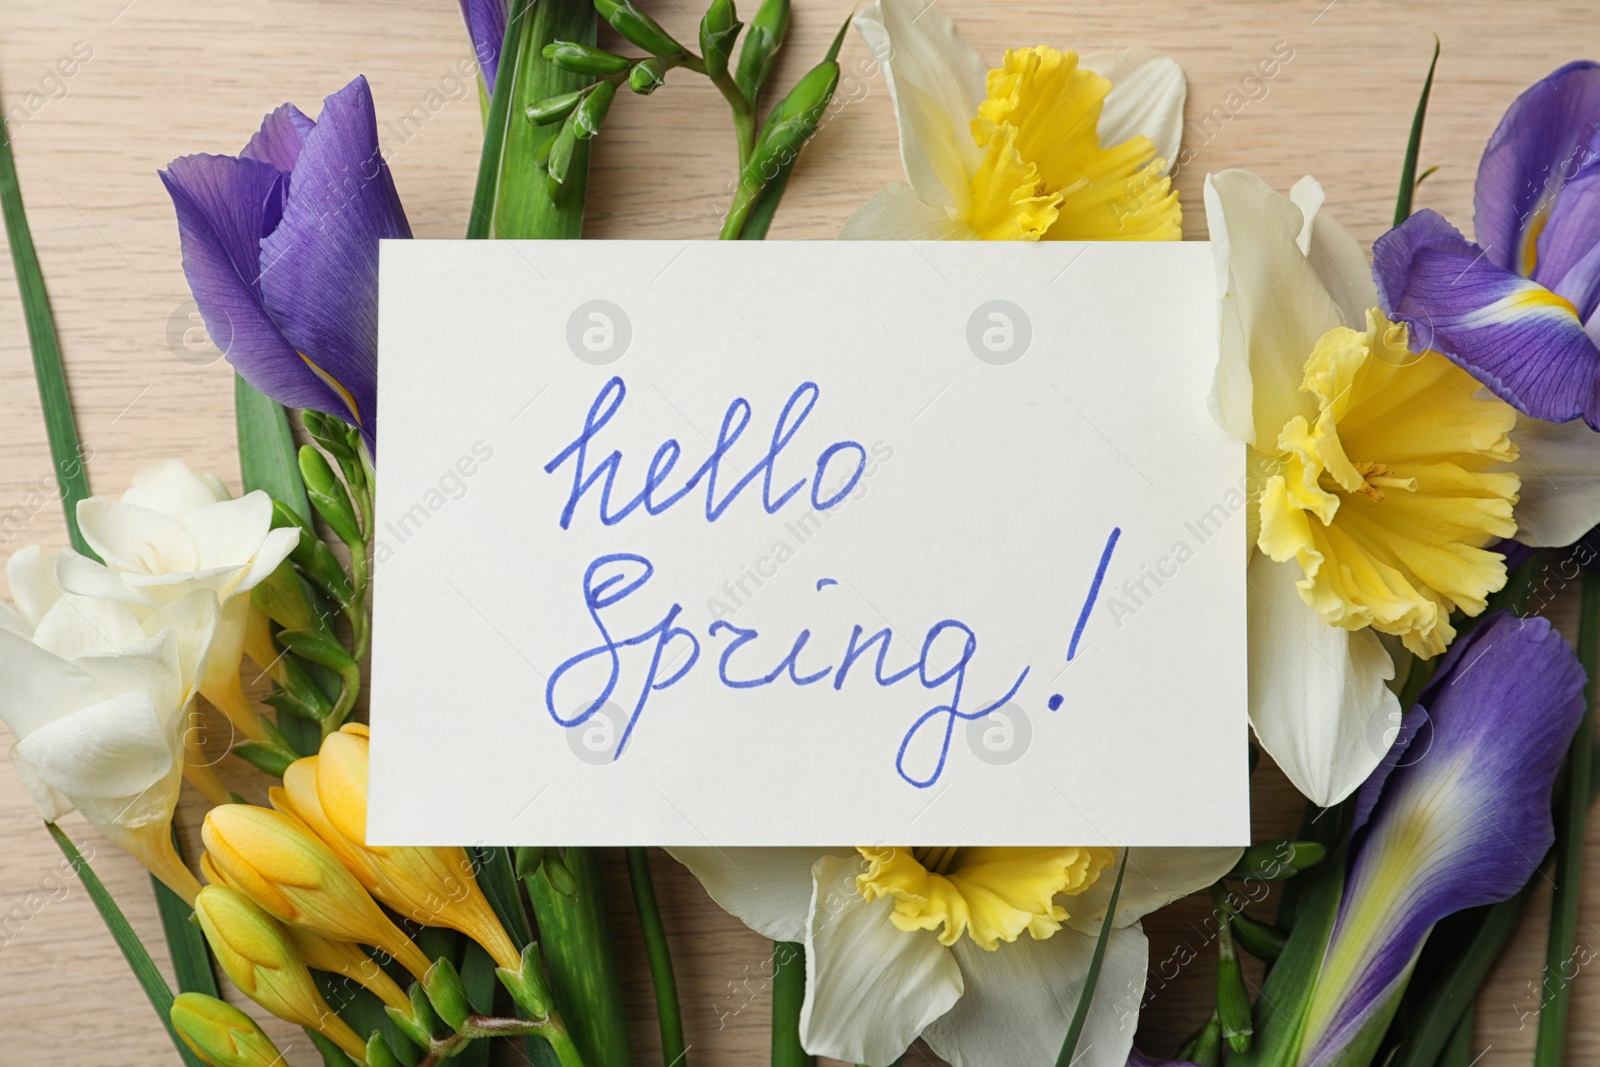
x=549 y=1027
x=1458 y=1053
x=1573 y=813
x=788 y=994
x=668 y=1012
x=743 y=200
x=575 y=935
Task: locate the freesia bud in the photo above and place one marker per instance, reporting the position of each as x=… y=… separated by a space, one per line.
x=554 y=108
x=638 y=27
x=761 y=44
x=647 y=76
x=348 y=959
x=584 y=59
x=295 y=878
x=255 y=954
x=792 y=122
x=432 y=886
x=592 y=109
x=220 y=1034
x=327 y=494
x=718 y=29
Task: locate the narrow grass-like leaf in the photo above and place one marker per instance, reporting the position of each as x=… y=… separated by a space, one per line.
x=268 y=455
x=144 y=969
x=497 y=877
x=1408 y=170
x=668 y=1013
x=480 y=224
x=1080 y=1015
x=759 y=220
x=65 y=452
x=788 y=994
x=1572 y=815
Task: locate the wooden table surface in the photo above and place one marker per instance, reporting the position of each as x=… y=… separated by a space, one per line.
x=168 y=77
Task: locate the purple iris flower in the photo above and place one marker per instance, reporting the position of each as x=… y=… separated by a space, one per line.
x=1520 y=308
x=486 y=24
x=1139 y=1059
x=1457 y=816
x=280 y=247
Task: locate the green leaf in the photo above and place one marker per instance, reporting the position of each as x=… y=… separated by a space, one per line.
x=1285 y=998
x=191 y=957
x=268 y=455
x=65 y=450
x=522 y=205
x=788 y=994
x=1572 y=814
x=498 y=880
x=1408 y=171
x=1080 y=1015
x=668 y=1013
x=133 y=950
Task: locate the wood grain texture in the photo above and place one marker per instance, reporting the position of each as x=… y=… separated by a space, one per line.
x=168 y=77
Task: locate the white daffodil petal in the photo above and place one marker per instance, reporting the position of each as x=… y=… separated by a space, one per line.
x=32 y=577
x=870 y=988
x=767 y=889
x=936 y=81
x=1318 y=701
x=1560 y=469
x=1156 y=877
x=1021 y=996
x=1148 y=90
x=897 y=213
x=1337 y=257
x=36 y=687
x=12 y=623
x=1273 y=307
x=170 y=487
x=132 y=538
x=117 y=748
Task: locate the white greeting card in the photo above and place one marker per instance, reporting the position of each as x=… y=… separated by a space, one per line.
x=822 y=543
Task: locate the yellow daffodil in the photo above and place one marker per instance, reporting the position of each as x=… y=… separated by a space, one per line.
x=294 y=876
x=220 y=1034
x=1380 y=480
x=432 y=886
x=974 y=949
x=1047 y=145
x=252 y=949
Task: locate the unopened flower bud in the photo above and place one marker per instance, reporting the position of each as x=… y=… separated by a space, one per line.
x=647 y=76
x=298 y=880
x=348 y=959
x=220 y=1034
x=638 y=27
x=553 y=108
x=328 y=496
x=718 y=29
x=252 y=949
x=432 y=886
x=584 y=59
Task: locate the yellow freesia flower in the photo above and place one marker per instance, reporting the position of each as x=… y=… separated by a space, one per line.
x=1047 y=145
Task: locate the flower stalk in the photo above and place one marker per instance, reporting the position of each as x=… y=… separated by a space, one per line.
x=668 y=1012
x=788 y=995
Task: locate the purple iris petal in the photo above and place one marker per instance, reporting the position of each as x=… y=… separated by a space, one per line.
x=486 y=24
x=319 y=274
x=1547 y=135
x=1462 y=821
x=224 y=207
x=280 y=138
x=1139 y=1059
x=1511 y=333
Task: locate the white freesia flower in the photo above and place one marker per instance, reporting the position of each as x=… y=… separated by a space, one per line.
x=980 y=951
x=175 y=531
x=97 y=692
x=1045 y=146
x=1381 y=480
